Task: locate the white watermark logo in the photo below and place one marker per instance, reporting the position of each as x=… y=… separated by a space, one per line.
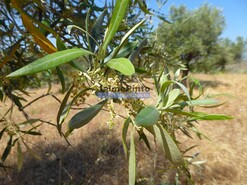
x=127 y=92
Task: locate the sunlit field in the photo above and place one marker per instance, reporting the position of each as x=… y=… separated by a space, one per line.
x=97 y=157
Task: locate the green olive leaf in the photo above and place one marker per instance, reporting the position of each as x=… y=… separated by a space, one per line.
x=50 y=61
x=147 y=116
x=83 y=117
x=123 y=65
x=117 y=16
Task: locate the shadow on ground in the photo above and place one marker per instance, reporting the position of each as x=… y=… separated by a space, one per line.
x=90 y=162
x=99 y=159
x=213 y=84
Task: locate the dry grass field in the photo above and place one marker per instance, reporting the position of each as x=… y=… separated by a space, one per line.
x=97 y=156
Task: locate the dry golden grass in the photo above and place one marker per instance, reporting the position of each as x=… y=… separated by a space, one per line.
x=226 y=155
x=97 y=156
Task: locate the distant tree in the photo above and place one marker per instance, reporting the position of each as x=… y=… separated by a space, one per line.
x=220 y=55
x=238 y=48
x=191 y=34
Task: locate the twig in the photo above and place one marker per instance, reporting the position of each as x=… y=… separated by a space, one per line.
x=117 y=114
x=48 y=122
x=11 y=107
x=31 y=102
x=55 y=97
x=36 y=99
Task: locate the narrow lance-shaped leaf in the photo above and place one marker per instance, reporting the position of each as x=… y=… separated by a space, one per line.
x=2 y=132
x=203 y=102
x=199 y=134
x=161 y=3
x=34 y=133
x=19 y=156
x=136 y=52
x=77 y=66
x=61 y=78
x=190 y=148
x=60 y=45
x=162 y=18
x=97 y=27
x=212 y=117
x=83 y=117
x=117 y=16
x=39 y=38
x=172 y=95
x=50 y=61
x=11 y=53
x=125 y=37
x=125 y=50
x=29 y=122
x=200 y=115
x=167 y=83
x=16 y=100
x=65 y=107
x=123 y=65
x=69 y=28
x=150 y=129
x=177 y=74
x=1 y=95
x=132 y=160
x=143 y=7
x=156 y=83
x=87 y=27
x=7 y=149
x=147 y=116
x=124 y=135
x=164 y=76
x=17 y=5
x=45 y=22
x=142 y=71
x=7 y=4
x=62 y=107
x=171 y=150
x=184 y=89
x=164 y=86
x=49 y=85
x=144 y=138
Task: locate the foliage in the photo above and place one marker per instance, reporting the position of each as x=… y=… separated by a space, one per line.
x=238 y=48
x=223 y=52
x=112 y=56
x=193 y=38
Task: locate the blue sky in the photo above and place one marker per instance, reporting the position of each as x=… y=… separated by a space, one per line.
x=235 y=13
